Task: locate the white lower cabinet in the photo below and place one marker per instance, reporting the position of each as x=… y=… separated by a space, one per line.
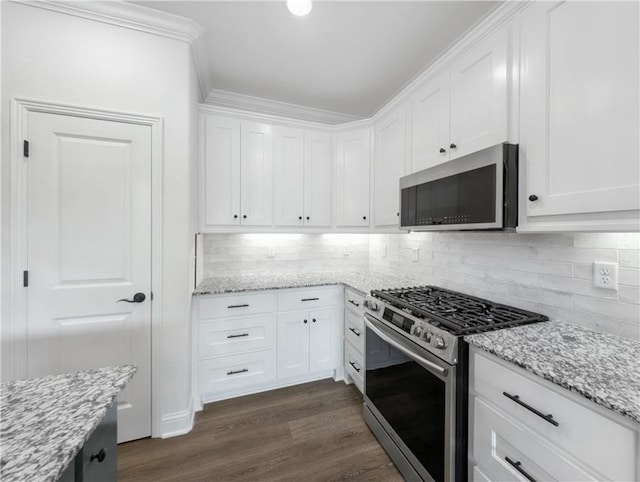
x=526 y=428
x=251 y=342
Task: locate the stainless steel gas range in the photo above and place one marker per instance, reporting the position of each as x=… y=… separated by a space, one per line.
x=416 y=377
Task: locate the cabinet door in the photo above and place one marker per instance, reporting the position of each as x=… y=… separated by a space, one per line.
x=257 y=174
x=389 y=159
x=580 y=107
x=293 y=344
x=317 y=178
x=430 y=113
x=352 y=178
x=220 y=152
x=479 y=96
x=324 y=340
x=289 y=165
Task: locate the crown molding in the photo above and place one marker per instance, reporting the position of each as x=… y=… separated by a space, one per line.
x=242 y=102
x=127 y=15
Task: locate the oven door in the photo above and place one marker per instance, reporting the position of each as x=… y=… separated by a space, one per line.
x=410 y=395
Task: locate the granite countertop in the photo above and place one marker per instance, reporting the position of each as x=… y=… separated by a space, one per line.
x=363 y=281
x=46 y=421
x=601 y=367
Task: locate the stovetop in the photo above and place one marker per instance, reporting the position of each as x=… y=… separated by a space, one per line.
x=436 y=318
x=455 y=312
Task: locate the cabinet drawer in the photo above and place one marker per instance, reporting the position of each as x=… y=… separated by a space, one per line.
x=236 y=371
x=354 y=364
x=226 y=336
x=600 y=442
x=497 y=440
x=226 y=306
x=354 y=329
x=353 y=299
x=309 y=299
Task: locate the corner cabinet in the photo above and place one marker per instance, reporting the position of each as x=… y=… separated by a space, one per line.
x=523 y=427
x=579 y=139
x=465 y=108
x=352 y=177
x=237 y=163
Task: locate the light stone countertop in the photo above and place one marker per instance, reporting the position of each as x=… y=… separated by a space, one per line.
x=363 y=281
x=601 y=367
x=46 y=421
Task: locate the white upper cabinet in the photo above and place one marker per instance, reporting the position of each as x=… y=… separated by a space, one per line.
x=289 y=179
x=430 y=139
x=389 y=165
x=580 y=116
x=237 y=164
x=352 y=178
x=256 y=174
x=463 y=109
x=317 y=178
x=220 y=152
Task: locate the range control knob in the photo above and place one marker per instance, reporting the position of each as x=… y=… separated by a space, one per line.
x=427 y=336
x=417 y=331
x=372 y=305
x=439 y=343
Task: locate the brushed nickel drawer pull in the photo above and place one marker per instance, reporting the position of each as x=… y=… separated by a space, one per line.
x=235 y=372
x=517 y=466
x=355 y=367
x=516 y=398
x=238 y=306
x=355 y=332
x=238 y=336
x=309 y=299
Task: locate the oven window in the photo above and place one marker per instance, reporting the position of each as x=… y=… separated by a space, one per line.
x=411 y=400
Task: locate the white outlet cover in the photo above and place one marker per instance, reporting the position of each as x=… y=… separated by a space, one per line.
x=383 y=251
x=416 y=254
x=345 y=250
x=605 y=275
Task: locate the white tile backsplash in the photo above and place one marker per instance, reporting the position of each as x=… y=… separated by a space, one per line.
x=546 y=273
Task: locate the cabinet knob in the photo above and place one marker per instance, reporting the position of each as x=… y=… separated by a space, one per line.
x=452 y=146
x=235 y=216
x=397 y=214
x=314 y=320
x=244 y=216
x=364 y=217
x=300 y=218
x=533 y=197
x=100 y=456
x=305 y=321
x=307 y=218
x=442 y=150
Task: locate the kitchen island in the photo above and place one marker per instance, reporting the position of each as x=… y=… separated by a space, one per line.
x=46 y=422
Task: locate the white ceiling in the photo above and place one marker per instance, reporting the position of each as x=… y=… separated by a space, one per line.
x=348 y=57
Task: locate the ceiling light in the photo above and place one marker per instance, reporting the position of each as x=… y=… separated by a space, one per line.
x=299 y=7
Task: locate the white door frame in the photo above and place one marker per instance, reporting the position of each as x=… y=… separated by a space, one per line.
x=17 y=331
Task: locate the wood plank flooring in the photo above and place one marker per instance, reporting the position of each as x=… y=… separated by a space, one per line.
x=309 y=432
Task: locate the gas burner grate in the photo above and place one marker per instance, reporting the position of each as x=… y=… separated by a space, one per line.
x=456 y=312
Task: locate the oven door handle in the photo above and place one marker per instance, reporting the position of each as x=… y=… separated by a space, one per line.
x=369 y=320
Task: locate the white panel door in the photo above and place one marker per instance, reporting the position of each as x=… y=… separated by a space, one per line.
x=580 y=107
x=324 y=340
x=89 y=246
x=352 y=178
x=289 y=176
x=479 y=96
x=317 y=178
x=256 y=193
x=293 y=344
x=430 y=135
x=389 y=161
x=221 y=166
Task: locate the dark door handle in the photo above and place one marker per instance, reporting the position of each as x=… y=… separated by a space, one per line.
x=517 y=465
x=355 y=367
x=442 y=150
x=100 y=456
x=533 y=198
x=137 y=298
x=452 y=146
x=547 y=417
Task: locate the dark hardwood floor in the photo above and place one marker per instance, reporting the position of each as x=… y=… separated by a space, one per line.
x=309 y=432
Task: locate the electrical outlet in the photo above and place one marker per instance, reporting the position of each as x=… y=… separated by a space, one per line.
x=271 y=252
x=416 y=254
x=605 y=275
x=383 y=251
x=345 y=250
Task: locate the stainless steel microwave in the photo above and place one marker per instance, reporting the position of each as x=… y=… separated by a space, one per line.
x=474 y=192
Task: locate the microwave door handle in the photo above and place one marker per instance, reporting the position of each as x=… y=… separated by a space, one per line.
x=417 y=358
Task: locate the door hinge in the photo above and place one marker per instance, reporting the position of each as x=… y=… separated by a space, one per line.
x=25 y=148
x=25 y=278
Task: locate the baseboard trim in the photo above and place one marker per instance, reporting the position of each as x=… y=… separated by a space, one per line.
x=177 y=423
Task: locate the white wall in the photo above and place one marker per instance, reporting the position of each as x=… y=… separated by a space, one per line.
x=545 y=273
x=65 y=59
